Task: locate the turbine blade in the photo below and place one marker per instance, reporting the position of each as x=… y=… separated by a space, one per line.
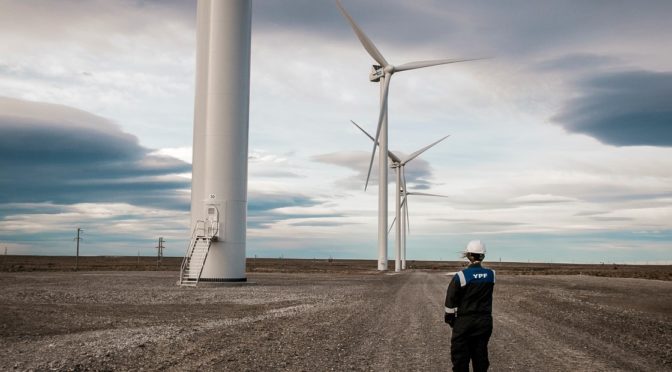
x=368 y=175
x=417 y=153
x=366 y=42
x=381 y=116
x=362 y=129
x=408 y=219
x=390 y=154
x=436 y=62
x=426 y=194
x=392 y=225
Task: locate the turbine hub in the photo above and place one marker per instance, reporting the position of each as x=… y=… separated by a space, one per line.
x=389 y=69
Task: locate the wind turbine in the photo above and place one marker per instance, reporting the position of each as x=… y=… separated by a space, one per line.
x=405 y=219
x=399 y=165
x=382 y=72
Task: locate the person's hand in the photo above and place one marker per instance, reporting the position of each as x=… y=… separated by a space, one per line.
x=449 y=319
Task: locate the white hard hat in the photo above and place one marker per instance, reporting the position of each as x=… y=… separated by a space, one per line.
x=475 y=246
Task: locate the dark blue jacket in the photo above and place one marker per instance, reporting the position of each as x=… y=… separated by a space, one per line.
x=470 y=291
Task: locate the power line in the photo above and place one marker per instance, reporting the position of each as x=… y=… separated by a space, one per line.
x=78 y=238
x=159 y=252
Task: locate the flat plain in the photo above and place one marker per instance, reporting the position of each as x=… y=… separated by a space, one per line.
x=318 y=321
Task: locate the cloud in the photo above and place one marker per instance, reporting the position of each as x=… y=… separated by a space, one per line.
x=512 y=29
x=357 y=161
x=54 y=153
x=463 y=225
x=109 y=228
x=268 y=209
x=131 y=61
x=318 y=223
x=611 y=219
x=412 y=24
x=108 y=23
x=182 y=153
x=264 y=164
x=628 y=108
x=576 y=61
x=274 y=173
x=541 y=199
x=66 y=167
x=261 y=202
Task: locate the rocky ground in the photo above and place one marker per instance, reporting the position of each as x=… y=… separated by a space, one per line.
x=320 y=322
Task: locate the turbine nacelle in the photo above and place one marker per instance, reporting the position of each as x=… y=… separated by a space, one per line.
x=377 y=72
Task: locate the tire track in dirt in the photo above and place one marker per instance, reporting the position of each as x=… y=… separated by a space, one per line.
x=410 y=326
x=407 y=317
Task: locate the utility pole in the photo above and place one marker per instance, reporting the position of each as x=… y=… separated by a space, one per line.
x=78 y=238
x=159 y=252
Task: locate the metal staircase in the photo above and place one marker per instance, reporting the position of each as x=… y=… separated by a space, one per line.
x=194 y=258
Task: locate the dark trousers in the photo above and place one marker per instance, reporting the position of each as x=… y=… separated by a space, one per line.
x=471 y=334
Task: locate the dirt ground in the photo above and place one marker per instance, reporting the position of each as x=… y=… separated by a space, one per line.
x=319 y=322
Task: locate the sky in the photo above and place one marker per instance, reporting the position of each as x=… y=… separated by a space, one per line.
x=560 y=146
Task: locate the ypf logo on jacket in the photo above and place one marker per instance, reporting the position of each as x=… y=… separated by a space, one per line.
x=475 y=275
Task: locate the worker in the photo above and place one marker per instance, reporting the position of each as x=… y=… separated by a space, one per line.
x=469 y=311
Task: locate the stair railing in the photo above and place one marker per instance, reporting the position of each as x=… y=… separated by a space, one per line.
x=190 y=248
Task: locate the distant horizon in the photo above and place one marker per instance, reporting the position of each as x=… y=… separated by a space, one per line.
x=373 y=260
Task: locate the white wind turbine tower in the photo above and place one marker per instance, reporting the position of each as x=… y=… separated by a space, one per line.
x=216 y=251
x=383 y=73
x=405 y=219
x=399 y=165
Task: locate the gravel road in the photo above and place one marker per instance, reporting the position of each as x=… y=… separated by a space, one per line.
x=318 y=322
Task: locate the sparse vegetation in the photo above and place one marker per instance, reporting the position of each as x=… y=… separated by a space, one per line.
x=148 y=263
